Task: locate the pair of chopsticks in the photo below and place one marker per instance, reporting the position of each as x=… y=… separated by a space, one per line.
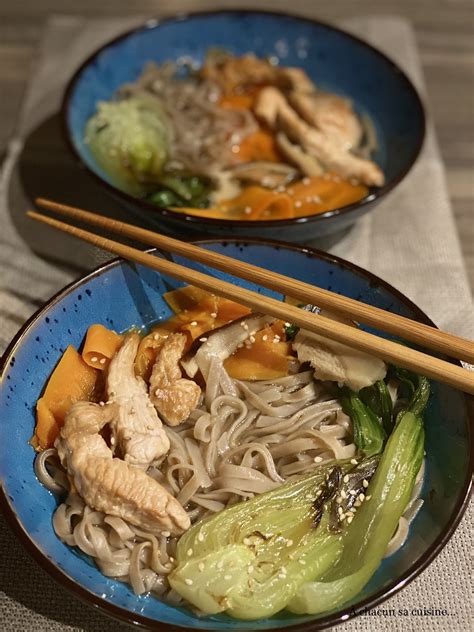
x=387 y=350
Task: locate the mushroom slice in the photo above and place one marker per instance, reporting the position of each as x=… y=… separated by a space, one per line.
x=267 y=174
x=222 y=342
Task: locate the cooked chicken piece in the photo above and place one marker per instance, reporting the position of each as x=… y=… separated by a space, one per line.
x=274 y=109
x=137 y=430
x=295 y=79
x=336 y=362
x=308 y=165
x=331 y=114
x=268 y=174
x=174 y=396
x=109 y=484
x=238 y=73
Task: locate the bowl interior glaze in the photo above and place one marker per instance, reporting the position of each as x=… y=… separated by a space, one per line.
x=120 y=295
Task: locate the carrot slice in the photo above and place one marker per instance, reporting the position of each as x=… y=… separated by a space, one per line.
x=100 y=346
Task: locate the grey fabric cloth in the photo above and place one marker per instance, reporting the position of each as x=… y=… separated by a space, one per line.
x=410 y=240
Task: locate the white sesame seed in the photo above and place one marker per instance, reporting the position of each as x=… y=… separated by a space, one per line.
x=171 y=559
x=318 y=493
x=189 y=552
x=349 y=519
x=102 y=361
x=318 y=459
x=252 y=338
x=357 y=503
x=289 y=543
x=220 y=565
x=365 y=483
x=188 y=581
x=245 y=326
x=227 y=577
x=282 y=576
x=250 y=568
x=298 y=204
x=240 y=345
x=201 y=566
x=247 y=210
x=353 y=461
x=242 y=323
x=101 y=403
x=361 y=497
x=265 y=337
x=353 y=510
x=302 y=562
x=166 y=534
x=368 y=497
x=247 y=541
x=94 y=359
x=193 y=323
x=213 y=314
x=287 y=324
x=346 y=478
x=156 y=336
x=340 y=511
x=275 y=341
x=342 y=518
x=343 y=494
x=339 y=500
x=202 y=339
x=201 y=536
x=353 y=492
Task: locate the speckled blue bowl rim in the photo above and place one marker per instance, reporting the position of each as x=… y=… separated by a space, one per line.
x=321 y=623
x=372 y=196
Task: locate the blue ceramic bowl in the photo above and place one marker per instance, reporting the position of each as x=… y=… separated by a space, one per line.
x=335 y=60
x=121 y=295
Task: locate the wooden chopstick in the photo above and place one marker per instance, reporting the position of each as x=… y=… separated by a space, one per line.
x=389 y=351
x=406 y=328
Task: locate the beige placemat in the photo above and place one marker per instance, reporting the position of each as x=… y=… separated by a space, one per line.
x=410 y=240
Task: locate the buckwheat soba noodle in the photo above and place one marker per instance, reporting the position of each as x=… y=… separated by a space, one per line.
x=307 y=460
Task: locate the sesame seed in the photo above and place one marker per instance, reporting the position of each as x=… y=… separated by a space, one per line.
x=171 y=559
x=265 y=337
x=357 y=503
x=365 y=483
x=247 y=541
x=340 y=511
x=245 y=326
x=201 y=536
x=343 y=494
x=289 y=543
x=318 y=459
x=349 y=514
x=277 y=337
x=346 y=478
x=166 y=534
x=368 y=497
x=189 y=552
x=318 y=493
x=352 y=509
x=298 y=204
x=282 y=576
x=252 y=338
x=202 y=339
x=247 y=210
x=349 y=519
x=94 y=359
x=220 y=565
x=193 y=323
x=102 y=361
x=201 y=566
x=339 y=500
x=287 y=324
x=316 y=199
x=240 y=345
x=250 y=568
x=354 y=462
x=188 y=581
x=353 y=492
x=227 y=577
x=302 y=562
x=275 y=340
x=361 y=497
x=213 y=314
x=101 y=403
x=156 y=336
x=342 y=518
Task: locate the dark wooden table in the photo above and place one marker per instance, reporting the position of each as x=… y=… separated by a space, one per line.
x=444 y=31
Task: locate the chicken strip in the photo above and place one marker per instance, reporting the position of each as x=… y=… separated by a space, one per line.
x=109 y=484
x=331 y=114
x=272 y=107
x=137 y=430
x=308 y=165
x=174 y=396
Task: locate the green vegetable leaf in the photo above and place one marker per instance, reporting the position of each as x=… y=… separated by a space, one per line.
x=369 y=436
x=377 y=398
